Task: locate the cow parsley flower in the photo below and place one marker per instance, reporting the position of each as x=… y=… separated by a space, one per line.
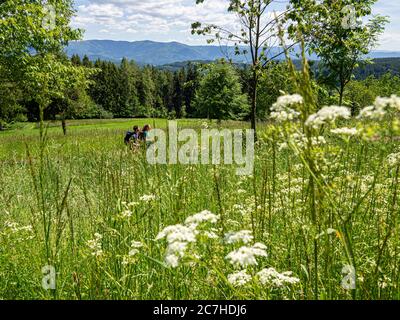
x=172 y=260
x=392 y=102
x=246 y=256
x=327 y=115
x=178 y=233
x=287 y=100
x=281 y=111
x=259 y=249
x=210 y=235
x=371 y=112
x=272 y=277
x=395 y=103
x=301 y=140
x=130 y=258
x=379 y=109
x=177 y=248
x=178 y=238
x=175 y=251
x=25 y=232
x=284 y=115
x=136 y=244
x=244 y=236
x=126 y=214
x=239 y=278
x=345 y=131
x=133 y=252
x=147 y=198
x=95 y=245
x=393 y=159
x=202 y=217
x=15 y=227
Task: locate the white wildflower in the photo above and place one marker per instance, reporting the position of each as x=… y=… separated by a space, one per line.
x=393 y=159
x=345 y=131
x=178 y=238
x=395 y=103
x=204 y=216
x=371 y=112
x=130 y=258
x=15 y=227
x=288 y=100
x=318 y=141
x=133 y=252
x=379 y=109
x=147 y=198
x=239 y=279
x=284 y=115
x=95 y=245
x=246 y=256
x=126 y=214
x=178 y=233
x=172 y=260
x=136 y=244
x=210 y=235
x=244 y=236
x=272 y=277
x=24 y=232
x=301 y=140
x=392 y=102
x=239 y=208
x=281 y=111
x=132 y=204
x=327 y=115
x=283 y=146
x=177 y=248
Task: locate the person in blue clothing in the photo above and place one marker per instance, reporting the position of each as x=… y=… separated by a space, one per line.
x=132 y=137
x=144 y=134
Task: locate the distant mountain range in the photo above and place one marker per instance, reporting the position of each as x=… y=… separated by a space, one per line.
x=160 y=53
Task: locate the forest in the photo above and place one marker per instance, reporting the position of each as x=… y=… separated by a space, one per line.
x=127 y=90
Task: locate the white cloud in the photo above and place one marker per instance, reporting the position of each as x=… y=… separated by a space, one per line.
x=163 y=20
x=150 y=19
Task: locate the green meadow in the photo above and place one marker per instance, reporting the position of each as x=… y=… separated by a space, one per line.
x=95 y=212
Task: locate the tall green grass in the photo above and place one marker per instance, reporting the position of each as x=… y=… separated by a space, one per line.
x=55 y=198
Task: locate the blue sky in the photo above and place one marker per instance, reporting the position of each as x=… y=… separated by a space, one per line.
x=170 y=20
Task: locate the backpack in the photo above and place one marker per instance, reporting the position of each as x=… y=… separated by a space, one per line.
x=128 y=137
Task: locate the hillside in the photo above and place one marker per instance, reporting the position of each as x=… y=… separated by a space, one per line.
x=161 y=53
x=378 y=68
x=147 y=52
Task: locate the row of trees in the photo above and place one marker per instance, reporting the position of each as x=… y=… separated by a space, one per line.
x=216 y=90
x=129 y=90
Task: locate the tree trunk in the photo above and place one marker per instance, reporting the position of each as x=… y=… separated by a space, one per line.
x=64 y=126
x=253 y=114
x=341 y=94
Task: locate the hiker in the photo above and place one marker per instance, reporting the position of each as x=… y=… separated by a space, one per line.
x=132 y=137
x=144 y=135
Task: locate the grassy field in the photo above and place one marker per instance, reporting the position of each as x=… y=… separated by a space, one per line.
x=94 y=210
